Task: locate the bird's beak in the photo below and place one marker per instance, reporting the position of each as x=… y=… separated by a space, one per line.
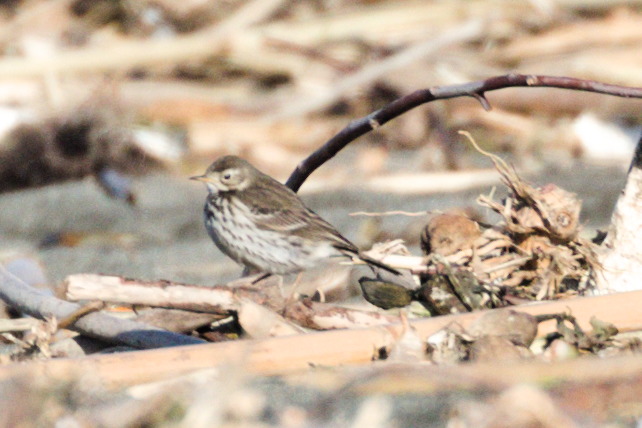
x=203 y=178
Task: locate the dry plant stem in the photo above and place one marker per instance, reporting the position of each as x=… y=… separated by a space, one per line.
x=476 y=90
x=483 y=248
x=97 y=325
x=518 y=277
x=79 y=313
x=498 y=268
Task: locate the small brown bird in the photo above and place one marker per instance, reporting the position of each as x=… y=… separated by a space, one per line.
x=262 y=224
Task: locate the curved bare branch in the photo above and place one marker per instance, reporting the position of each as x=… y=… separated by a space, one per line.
x=476 y=90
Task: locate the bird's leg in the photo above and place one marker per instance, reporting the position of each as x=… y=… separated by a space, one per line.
x=295 y=286
x=376 y=272
x=261 y=278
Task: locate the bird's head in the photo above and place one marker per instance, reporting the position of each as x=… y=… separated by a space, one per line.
x=228 y=174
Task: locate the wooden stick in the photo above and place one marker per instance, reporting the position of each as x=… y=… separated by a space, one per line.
x=97 y=325
x=18 y=324
x=324 y=316
x=219 y=299
x=163 y=294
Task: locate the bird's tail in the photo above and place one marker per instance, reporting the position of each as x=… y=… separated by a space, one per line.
x=377 y=263
x=367 y=259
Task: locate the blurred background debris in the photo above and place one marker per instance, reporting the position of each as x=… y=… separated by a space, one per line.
x=83 y=142
x=116 y=90
x=106 y=107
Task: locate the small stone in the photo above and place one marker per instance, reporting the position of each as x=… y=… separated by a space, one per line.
x=385 y=295
x=518 y=327
x=446 y=234
x=497 y=348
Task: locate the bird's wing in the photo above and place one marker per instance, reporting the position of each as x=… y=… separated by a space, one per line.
x=304 y=223
x=284 y=212
x=308 y=225
x=283 y=220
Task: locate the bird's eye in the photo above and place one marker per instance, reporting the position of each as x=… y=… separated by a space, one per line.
x=227 y=176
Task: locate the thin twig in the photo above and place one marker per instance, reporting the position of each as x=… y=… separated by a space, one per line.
x=511 y=263
x=390 y=213
x=80 y=312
